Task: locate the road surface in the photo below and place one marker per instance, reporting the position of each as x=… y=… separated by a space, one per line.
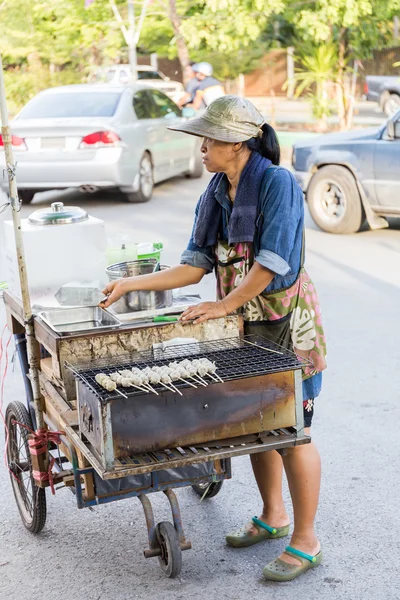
x=97 y=555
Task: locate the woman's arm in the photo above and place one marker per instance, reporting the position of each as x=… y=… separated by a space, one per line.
x=184 y=100
x=198 y=99
x=255 y=282
x=169 y=279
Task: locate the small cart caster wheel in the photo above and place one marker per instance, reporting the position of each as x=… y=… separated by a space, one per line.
x=207 y=490
x=171 y=553
x=30 y=499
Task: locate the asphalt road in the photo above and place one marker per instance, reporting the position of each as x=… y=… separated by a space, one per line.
x=97 y=555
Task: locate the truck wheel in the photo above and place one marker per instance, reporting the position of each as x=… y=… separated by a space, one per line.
x=391 y=104
x=334 y=200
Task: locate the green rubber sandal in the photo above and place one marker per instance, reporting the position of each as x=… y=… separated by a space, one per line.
x=242 y=538
x=279 y=570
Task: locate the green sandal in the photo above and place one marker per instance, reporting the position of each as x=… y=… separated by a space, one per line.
x=279 y=570
x=242 y=538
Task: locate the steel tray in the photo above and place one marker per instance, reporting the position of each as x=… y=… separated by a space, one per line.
x=73 y=320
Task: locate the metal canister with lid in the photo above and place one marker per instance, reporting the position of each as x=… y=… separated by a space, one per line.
x=58 y=214
x=63 y=244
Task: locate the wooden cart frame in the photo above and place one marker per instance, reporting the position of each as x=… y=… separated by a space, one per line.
x=78 y=468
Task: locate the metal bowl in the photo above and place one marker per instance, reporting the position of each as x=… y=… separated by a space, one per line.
x=142 y=300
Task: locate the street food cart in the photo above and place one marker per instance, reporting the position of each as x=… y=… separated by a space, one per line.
x=111 y=444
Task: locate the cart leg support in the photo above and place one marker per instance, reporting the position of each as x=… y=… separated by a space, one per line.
x=154 y=547
x=176 y=516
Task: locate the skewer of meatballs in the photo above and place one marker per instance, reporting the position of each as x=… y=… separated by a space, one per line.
x=191 y=372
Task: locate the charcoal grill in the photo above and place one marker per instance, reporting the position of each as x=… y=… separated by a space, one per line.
x=257 y=395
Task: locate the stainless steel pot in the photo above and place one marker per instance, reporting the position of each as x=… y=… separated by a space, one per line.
x=143 y=300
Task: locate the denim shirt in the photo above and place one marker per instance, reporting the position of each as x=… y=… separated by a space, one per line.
x=278 y=241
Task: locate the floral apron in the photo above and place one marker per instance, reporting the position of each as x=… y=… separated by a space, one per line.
x=290 y=316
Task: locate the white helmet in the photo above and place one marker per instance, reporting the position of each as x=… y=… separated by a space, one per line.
x=204 y=68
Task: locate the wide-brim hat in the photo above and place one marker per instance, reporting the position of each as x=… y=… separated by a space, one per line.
x=227 y=119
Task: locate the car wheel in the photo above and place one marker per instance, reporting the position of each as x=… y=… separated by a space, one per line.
x=196 y=164
x=334 y=200
x=26 y=196
x=146 y=181
x=391 y=105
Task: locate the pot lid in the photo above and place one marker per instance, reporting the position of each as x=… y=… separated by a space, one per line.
x=58 y=214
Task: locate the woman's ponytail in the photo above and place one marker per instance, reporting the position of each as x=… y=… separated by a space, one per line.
x=267 y=144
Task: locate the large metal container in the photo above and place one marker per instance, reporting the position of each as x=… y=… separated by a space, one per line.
x=142 y=300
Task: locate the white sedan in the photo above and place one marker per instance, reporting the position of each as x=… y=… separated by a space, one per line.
x=94 y=137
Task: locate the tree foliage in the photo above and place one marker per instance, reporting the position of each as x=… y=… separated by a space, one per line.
x=47 y=42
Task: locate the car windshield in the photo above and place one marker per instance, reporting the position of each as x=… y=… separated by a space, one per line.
x=71 y=104
x=149 y=75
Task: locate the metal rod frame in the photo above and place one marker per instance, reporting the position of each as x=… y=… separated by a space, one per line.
x=33 y=358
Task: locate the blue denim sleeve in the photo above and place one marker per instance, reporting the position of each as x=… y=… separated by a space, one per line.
x=196 y=256
x=283 y=215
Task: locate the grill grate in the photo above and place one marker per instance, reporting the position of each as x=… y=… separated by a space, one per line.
x=235 y=358
x=167 y=456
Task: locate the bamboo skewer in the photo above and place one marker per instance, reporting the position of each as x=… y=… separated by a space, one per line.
x=166 y=386
x=188 y=382
x=147 y=385
x=262 y=347
x=176 y=389
x=214 y=378
x=203 y=383
x=142 y=389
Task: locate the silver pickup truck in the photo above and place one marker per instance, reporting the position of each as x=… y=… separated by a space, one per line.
x=385 y=90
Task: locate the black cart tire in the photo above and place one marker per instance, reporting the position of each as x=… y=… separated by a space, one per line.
x=26 y=196
x=30 y=499
x=334 y=201
x=207 y=490
x=146 y=181
x=171 y=553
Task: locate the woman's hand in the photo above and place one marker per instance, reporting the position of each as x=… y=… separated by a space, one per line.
x=204 y=311
x=114 y=290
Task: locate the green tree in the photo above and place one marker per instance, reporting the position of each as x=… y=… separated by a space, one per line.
x=46 y=43
x=354 y=27
x=318 y=68
x=225 y=32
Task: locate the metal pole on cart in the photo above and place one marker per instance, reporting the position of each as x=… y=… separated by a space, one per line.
x=15 y=203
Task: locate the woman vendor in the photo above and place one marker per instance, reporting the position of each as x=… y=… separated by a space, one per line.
x=248 y=227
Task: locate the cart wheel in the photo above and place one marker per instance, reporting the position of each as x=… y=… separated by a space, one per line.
x=31 y=500
x=207 y=490
x=171 y=553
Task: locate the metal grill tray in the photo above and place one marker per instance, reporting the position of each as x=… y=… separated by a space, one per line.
x=78 y=320
x=174 y=458
x=235 y=358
